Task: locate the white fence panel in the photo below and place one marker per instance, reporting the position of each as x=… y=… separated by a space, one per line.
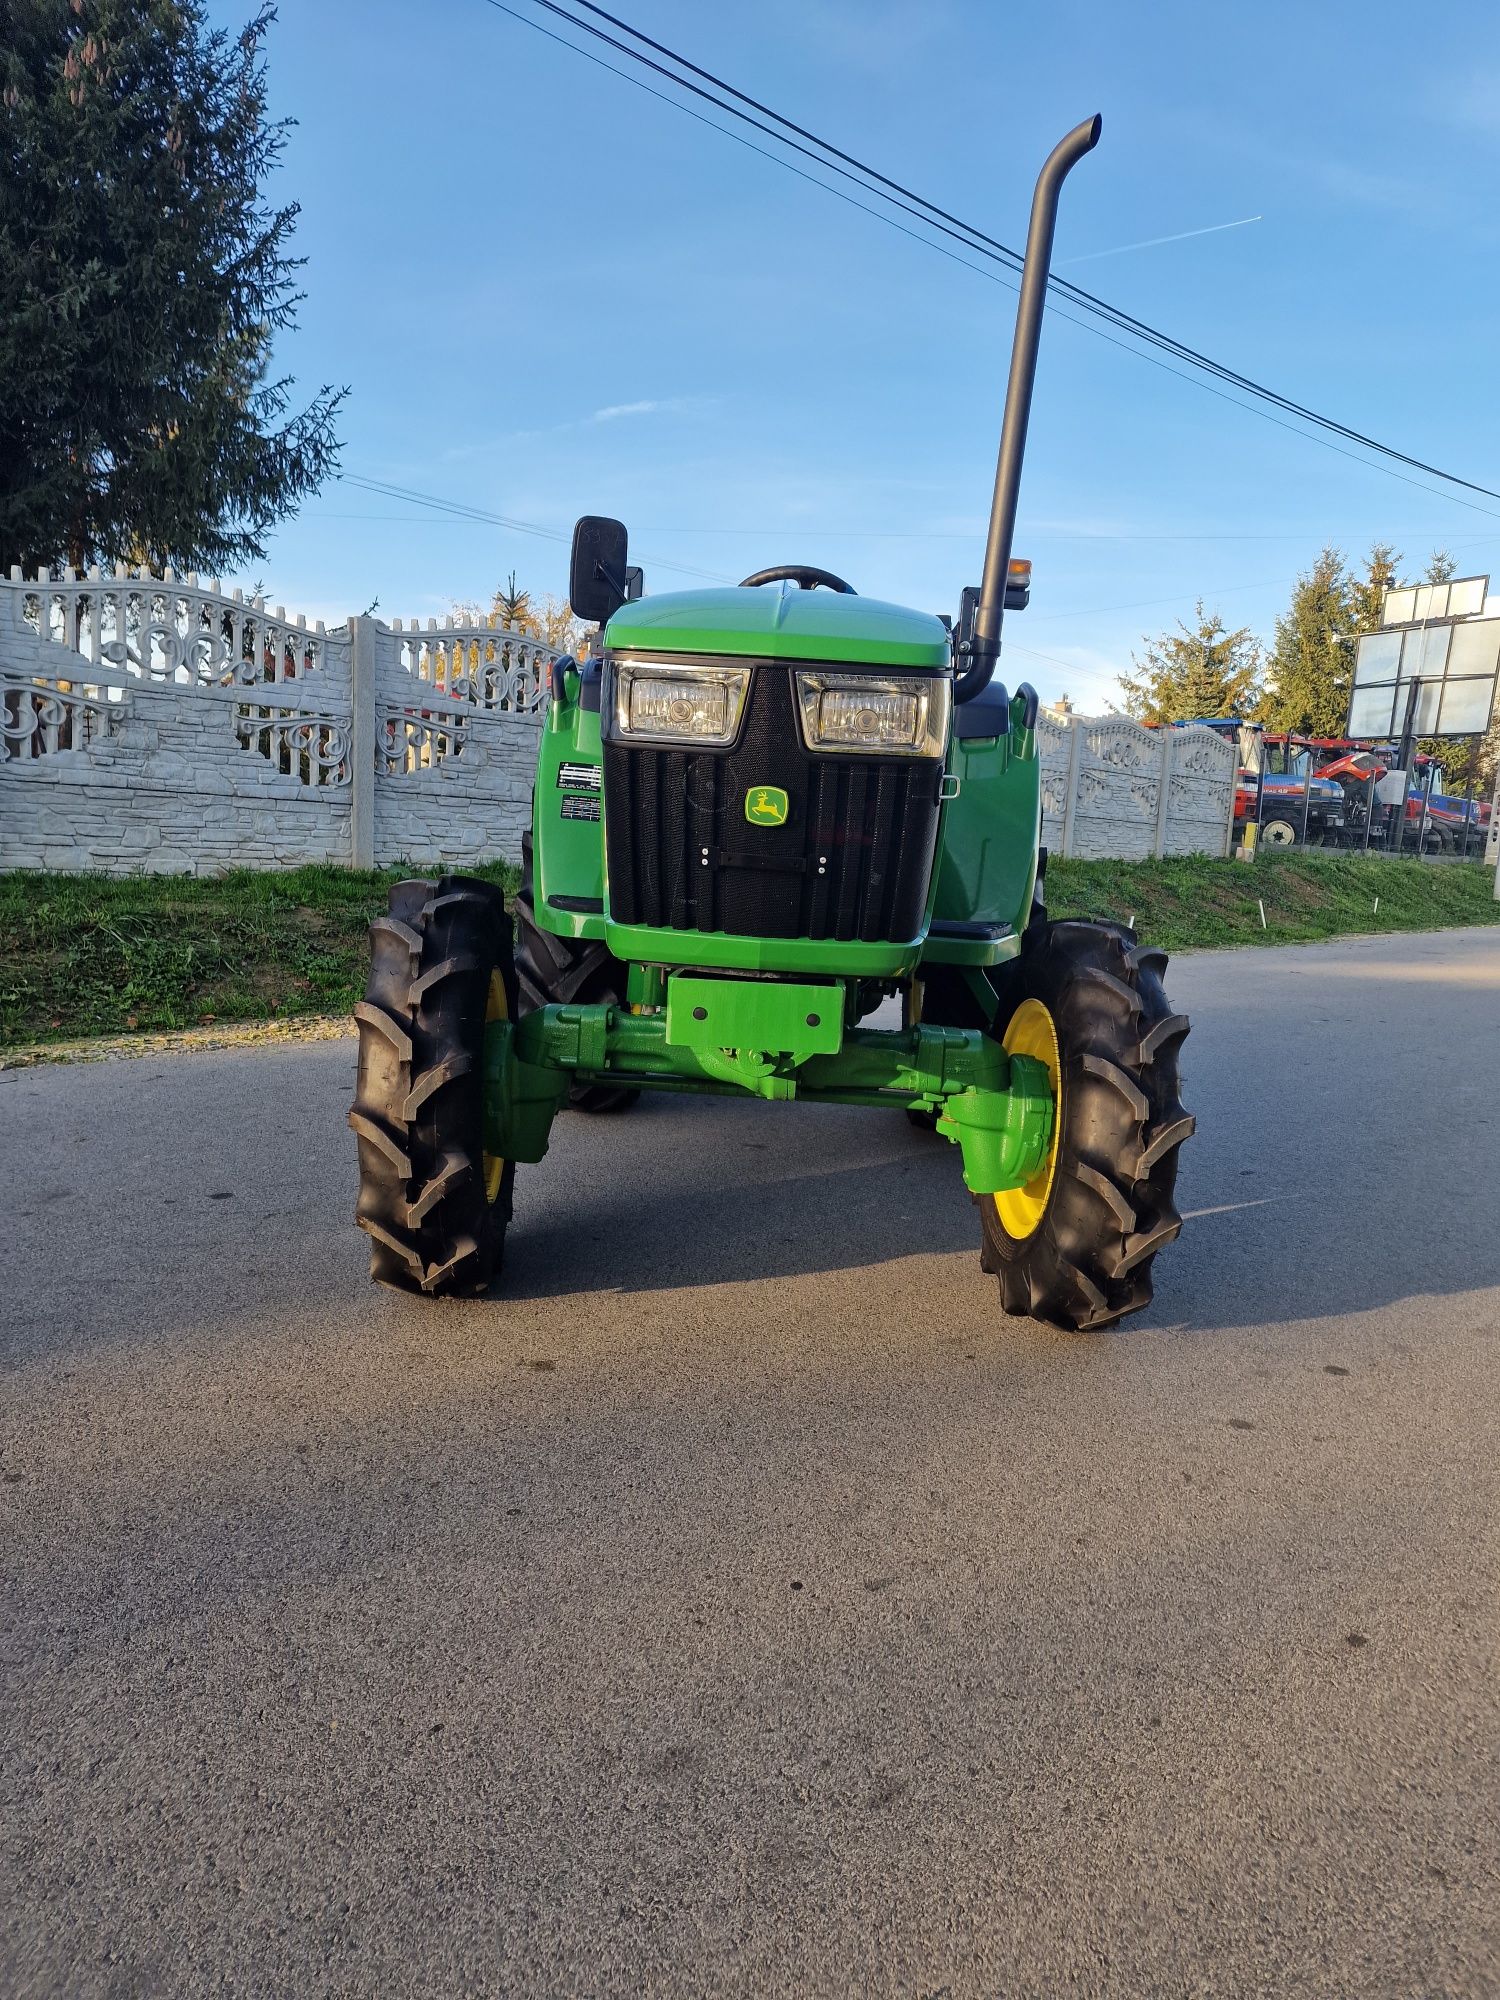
x=1112 y=789
x=1202 y=770
x=159 y=724
x=458 y=709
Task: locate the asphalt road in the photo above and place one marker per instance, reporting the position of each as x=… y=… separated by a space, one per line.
x=740 y=1604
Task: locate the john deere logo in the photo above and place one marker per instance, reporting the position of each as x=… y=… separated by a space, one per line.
x=766 y=805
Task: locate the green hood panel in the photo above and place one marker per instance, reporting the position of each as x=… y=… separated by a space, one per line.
x=780 y=622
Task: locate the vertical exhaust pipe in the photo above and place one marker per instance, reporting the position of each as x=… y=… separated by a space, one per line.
x=985 y=645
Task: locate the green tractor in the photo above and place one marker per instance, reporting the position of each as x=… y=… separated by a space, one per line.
x=760 y=813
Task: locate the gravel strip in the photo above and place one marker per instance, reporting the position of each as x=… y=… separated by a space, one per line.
x=232 y=1035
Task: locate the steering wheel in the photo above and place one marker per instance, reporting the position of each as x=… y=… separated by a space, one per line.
x=803 y=577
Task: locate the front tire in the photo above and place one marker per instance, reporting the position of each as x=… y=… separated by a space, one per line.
x=1076 y=1246
x=433 y=1202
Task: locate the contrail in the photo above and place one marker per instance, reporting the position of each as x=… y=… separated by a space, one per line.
x=1151 y=242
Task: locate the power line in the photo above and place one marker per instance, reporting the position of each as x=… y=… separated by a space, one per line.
x=1089 y=300
x=462 y=511
x=943 y=251
x=833 y=159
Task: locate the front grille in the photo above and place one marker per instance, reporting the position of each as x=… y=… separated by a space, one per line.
x=853 y=859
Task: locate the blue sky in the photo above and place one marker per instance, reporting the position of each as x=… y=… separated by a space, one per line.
x=552 y=294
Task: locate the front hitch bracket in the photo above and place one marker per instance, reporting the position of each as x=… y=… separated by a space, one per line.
x=997 y=1108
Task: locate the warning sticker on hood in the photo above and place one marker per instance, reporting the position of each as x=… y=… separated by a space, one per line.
x=578 y=777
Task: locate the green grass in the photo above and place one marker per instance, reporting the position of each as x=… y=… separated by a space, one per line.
x=95 y=955
x=90 y=955
x=1197 y=902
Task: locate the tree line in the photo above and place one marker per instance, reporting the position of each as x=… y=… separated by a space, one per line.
x=1300 y=683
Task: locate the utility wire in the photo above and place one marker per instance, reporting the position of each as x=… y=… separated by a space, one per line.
x=1012 y=257
x=898 y=195
x=943 y=251
x=461 y=510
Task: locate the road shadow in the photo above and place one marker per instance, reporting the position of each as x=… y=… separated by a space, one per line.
x=731 y=1192
x=1310 y=1190
x=741 y=1193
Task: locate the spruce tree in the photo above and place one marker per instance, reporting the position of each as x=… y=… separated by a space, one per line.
x=1203 y=670
x=513 y=606
x=1367 y=592
x=1312 y=658
x=144 y=277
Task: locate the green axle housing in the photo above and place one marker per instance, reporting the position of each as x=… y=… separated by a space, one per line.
x=776 y=1041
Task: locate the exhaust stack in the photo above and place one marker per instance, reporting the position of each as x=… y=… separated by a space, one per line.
x=984 y=647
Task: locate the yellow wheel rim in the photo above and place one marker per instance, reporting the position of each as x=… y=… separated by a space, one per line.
x=1032 y=1032
x=496 y=1008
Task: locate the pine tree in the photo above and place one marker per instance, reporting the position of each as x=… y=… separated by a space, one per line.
x=1207 y=670
x=513 y=606
x=1310 y=664
x=143 y=281
x=1440 y=567
x=1367 y=592
x=546 y=618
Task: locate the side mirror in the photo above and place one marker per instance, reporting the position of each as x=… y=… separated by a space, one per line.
x=598 y=581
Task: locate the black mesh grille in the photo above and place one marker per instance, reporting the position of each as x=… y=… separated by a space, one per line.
x=853 y=859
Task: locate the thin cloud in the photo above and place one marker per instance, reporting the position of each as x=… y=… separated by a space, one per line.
x=648 y=406
x=655 y=406
x=1153 y=242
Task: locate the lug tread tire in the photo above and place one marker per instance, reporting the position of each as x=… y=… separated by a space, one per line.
x=403 y=933
x=1111 y=1073
x=1171 y=1029
x=434 y=1080
x=1088 y=1262
x=418 y=1110
x=556 y=971
x=1163 y=1139
x=383 y=1024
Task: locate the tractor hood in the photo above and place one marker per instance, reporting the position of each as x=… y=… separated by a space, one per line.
x=781 y=622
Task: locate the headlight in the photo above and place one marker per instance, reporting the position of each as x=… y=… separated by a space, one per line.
x=669 y=704
x=904 y=716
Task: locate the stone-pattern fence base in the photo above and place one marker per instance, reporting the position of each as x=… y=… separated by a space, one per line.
x=162 y=725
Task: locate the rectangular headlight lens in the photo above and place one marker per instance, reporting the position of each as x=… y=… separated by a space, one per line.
x=669 y=704
x=903 y=716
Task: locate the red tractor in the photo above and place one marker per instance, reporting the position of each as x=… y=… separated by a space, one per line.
x=1322 y=791
x=1436 y=821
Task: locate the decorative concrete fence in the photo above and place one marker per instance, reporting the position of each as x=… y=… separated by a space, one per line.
x=1111 y=788
x=160 y=724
